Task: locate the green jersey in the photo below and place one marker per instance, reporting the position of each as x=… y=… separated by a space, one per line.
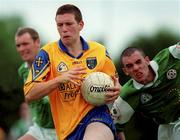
x=160 y=99
x=41 y=111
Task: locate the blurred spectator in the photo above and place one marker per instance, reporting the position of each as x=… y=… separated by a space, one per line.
x=22 y=125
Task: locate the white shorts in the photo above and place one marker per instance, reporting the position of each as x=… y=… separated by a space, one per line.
x=41 y=133
x=169 y=131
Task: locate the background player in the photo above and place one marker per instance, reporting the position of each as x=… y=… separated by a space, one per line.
x=27 y=45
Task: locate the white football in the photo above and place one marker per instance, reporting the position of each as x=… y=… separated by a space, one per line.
x=94 y=87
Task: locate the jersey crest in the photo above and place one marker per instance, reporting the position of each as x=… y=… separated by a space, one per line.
x=145 y=97
x=171 y=74
x=62 y=67
x=91 y=62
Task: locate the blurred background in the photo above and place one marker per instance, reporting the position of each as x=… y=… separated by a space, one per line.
x=117 y=24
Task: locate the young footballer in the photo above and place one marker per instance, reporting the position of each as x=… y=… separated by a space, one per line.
x=58 y=71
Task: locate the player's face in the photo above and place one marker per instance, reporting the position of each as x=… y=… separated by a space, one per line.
x=68 y=28
x=27 y=47
x=137 y=67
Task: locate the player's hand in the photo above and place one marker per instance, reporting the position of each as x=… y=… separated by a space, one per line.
x=113 y=92
x=73 y=75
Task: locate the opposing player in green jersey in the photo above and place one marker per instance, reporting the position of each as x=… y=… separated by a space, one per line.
x=154 y=90
x=27 y=45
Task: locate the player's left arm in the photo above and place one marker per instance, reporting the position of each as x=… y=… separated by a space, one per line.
x=113 y=92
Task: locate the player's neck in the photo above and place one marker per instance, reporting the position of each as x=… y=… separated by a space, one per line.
x=75 y=48
x=150 y=77
x=29 y=63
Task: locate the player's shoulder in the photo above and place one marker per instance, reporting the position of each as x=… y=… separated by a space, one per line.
x=22 y=67
x=162 y=55
x=95 y=45
x=173 y=51
x=50 y=45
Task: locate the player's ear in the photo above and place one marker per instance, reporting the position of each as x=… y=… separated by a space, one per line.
x=125 y=72
x=147 y=59
x=81 y=24
x=37 y=41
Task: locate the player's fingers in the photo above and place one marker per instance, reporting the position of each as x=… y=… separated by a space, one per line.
x=111 y=96
x=115 y=78
x=116 y=81
x=78 y=68
x=77 y=72
x=75 y=82
x=113 y=89
x=74 y=77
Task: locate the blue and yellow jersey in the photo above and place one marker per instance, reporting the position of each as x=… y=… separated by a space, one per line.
x=67 y=104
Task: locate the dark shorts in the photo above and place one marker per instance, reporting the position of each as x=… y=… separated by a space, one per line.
x=97 y=114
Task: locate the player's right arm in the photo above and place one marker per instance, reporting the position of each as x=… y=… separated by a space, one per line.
x=39 y=90
x=37 y=85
